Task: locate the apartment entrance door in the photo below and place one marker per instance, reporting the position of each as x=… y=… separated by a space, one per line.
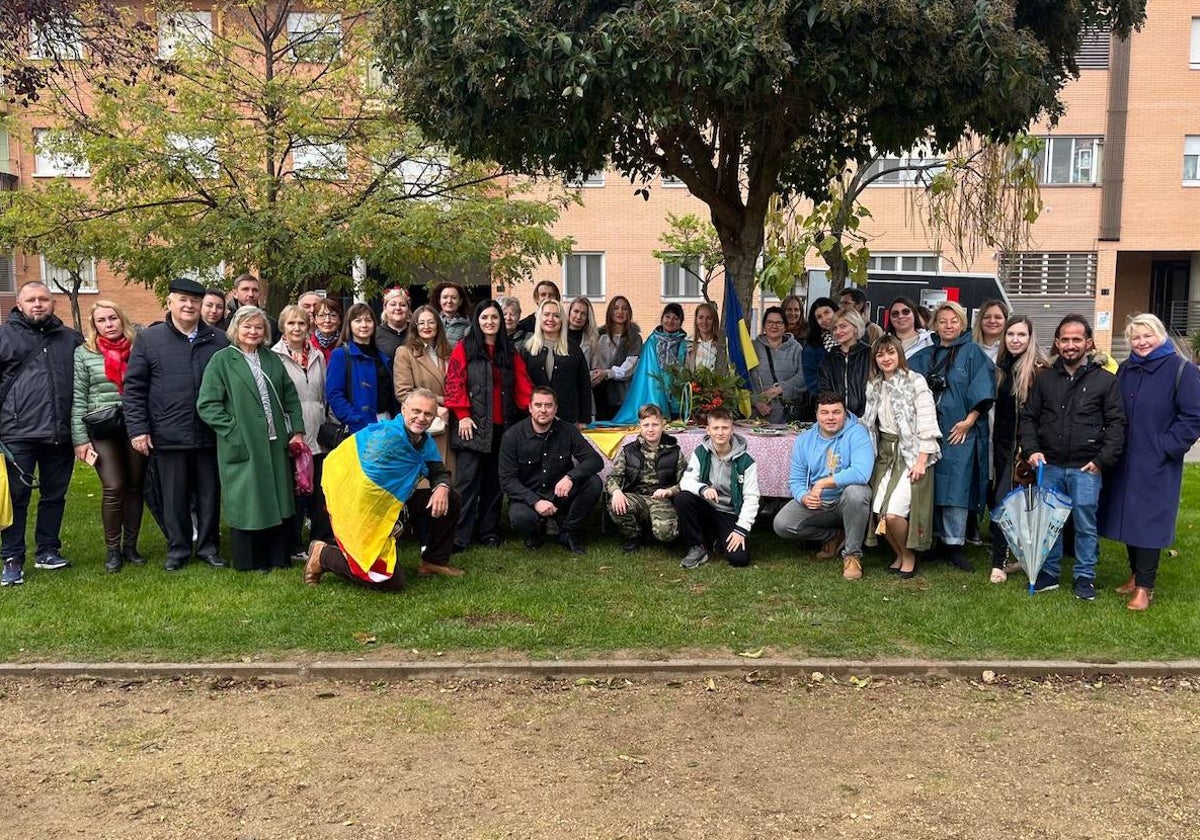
x=1169 y=284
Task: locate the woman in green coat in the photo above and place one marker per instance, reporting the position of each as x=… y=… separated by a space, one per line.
x=249 y=400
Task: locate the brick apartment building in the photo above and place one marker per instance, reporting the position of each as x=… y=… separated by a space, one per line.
x=1121 y=186
x=1118 y=233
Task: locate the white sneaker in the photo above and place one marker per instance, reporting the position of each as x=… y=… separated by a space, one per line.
x=998 y=576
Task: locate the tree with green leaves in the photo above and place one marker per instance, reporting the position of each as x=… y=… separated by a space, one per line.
x=262 y=138
x=740 y=101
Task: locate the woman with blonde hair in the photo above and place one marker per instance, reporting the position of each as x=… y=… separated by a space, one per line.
x=306 y=367
x=99 y=382
x=552 y=361
x=902 y=420
x=1139 y=501
x=845 y=369
x=989 y=327
x=706 y=348
x=963 y=381
x=1020 y=361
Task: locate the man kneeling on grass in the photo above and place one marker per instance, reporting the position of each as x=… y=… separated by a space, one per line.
x=645 y=476
x=370 y=481
x=830 y=485
x=718 y=497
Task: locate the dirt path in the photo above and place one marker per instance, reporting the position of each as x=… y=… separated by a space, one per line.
x=523 y=759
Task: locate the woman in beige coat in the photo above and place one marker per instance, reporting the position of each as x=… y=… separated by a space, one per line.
x=421 y=363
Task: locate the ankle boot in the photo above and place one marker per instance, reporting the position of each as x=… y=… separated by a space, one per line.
x=132 y=555
x=1127 y=587
x=1141 y=598
x=114 y=561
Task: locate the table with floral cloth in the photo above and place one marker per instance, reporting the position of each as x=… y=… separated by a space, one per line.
x=772 y=453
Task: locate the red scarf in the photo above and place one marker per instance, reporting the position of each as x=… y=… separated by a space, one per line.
x=116 y=359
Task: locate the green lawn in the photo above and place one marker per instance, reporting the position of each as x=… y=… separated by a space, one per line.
x=550 y=604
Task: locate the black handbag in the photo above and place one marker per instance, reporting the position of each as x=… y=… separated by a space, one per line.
x=106 y=423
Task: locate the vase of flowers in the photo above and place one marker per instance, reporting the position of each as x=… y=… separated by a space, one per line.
x=703 y=389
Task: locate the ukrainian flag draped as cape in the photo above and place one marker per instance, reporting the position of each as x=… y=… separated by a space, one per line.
x=367 y=480
x=742 y=357
x=651 y=380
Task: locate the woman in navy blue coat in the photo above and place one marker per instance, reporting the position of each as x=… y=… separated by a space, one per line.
x=364 y=394
x=1140 y=499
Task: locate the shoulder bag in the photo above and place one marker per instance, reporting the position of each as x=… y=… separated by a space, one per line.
x=333 y=432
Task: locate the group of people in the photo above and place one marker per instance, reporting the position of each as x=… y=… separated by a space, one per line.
x=916 y=429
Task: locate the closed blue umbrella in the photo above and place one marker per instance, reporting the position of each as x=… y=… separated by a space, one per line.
x=1031 y=519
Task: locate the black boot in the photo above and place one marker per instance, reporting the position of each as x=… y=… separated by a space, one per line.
x=132 y=556
x=956 y=556
x=114 y=561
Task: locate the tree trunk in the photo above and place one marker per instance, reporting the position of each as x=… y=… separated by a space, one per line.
x=741 y=249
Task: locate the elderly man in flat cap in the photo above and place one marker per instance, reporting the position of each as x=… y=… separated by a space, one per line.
x=161 y=384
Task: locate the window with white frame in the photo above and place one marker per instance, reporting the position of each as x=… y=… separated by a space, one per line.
x=681 y=280
x=1070 y=160
x=583 y=274
x=314 y=36
x=197 y=154
x=673 y=182
x=209 y=277
x=58 y=153
x=1194 y=53
x=904 y=263
x=59 y=279
x=907 y=170
x=592 y=179
x=316 y=159
x=1046 y=273
x=6 y=162
x=1191 y=160
x=60 y=39
x=184 y=32
x=424 y=177
x=8 y=272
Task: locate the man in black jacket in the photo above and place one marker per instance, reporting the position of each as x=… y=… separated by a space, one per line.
x=37 y=353
x=1073 y=425
x=548 y=470
x=161 y=384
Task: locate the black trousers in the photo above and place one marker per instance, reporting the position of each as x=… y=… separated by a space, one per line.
x=436 y=534
x=54 y=463
x=314 y=508
x=185 y=474
x=702 y=524
x=265 y=548
x=1143 y=565
x=477 y=481
x=122 y=471
x=573 y=511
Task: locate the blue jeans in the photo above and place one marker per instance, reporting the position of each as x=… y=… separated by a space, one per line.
x=1083 y=489
x=950 y=524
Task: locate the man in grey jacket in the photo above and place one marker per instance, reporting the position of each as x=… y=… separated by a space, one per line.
x=36 y=372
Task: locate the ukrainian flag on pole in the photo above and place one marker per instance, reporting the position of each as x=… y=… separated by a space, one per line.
x=737 y=339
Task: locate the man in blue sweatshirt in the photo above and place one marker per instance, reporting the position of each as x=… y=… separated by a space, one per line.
x=830 y=484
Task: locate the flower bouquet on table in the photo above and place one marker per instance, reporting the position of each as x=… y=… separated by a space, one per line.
x=703 y=389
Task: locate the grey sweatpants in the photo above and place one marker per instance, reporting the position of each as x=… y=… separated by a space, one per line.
x=851 y=512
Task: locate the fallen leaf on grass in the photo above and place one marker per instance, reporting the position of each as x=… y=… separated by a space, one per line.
x=710 y=684
x=752 y=654
x=365 y=638
x=860 y=682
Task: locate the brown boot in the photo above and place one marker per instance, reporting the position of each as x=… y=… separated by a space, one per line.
x=852 y=567
x=1127 y=587
x=1141 y=599
x=312 y=566
x=830 y=549
x=426 y=569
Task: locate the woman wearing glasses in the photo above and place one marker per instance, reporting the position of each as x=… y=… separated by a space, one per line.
x=907 y=323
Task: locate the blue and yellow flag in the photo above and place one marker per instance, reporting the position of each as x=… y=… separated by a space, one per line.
x=367 y=481
x=742 y=357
